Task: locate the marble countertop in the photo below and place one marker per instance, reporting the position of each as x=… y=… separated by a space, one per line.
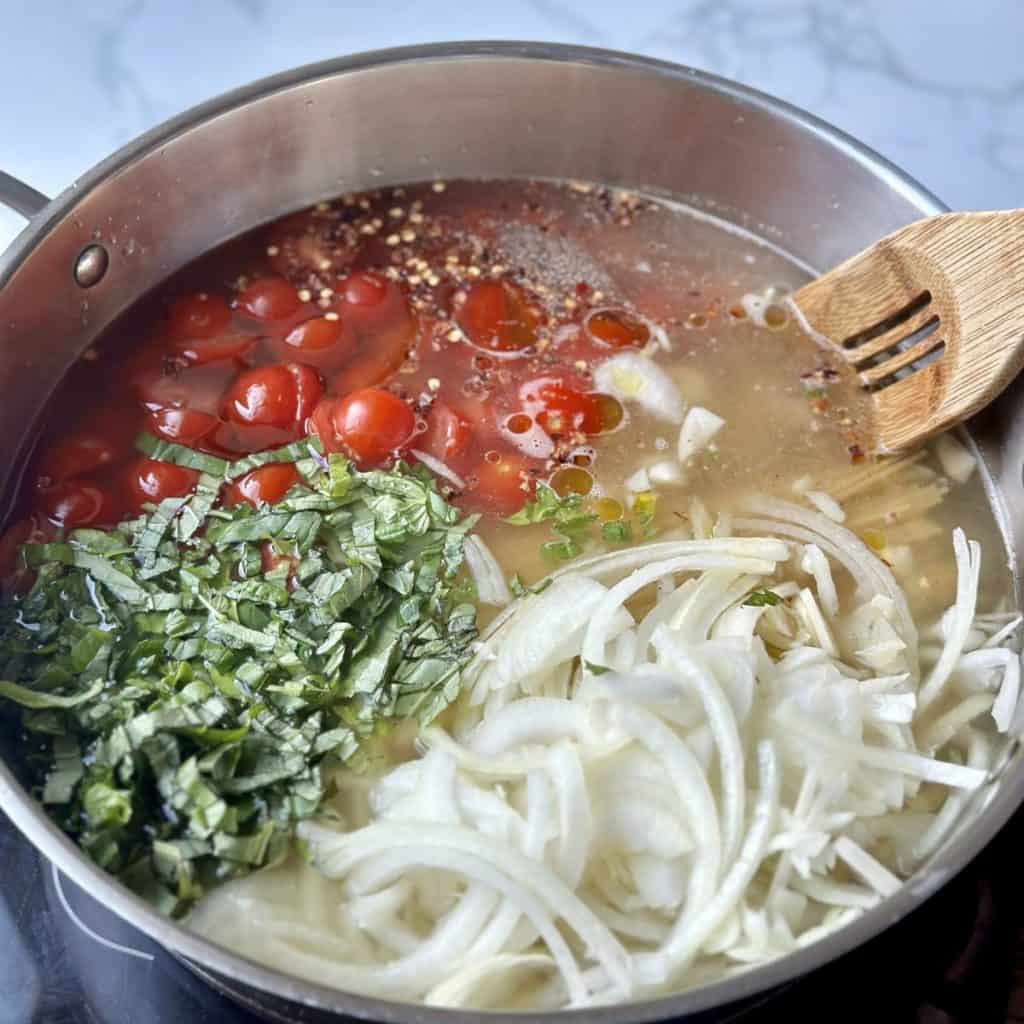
x=935 y=85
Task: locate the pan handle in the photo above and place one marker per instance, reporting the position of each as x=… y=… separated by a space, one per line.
x=20 y=197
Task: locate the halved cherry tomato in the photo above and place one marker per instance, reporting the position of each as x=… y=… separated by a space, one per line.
x=501 y=487
x=282 y=395
x=268 y=298
x=447 y=435
x=148 y=480
x=370 y=424
x=243 y=438
x=365 y=289
x=266 y=485
x=81 y=453
x=373 y=364
x=167 y=385
x=198 y=316
x=376 y=311
x=320 y=342
x=77 y=503
x=495 y=316
x=183 y=426
x=198 y=351
x=616 y=328
x=560 y=408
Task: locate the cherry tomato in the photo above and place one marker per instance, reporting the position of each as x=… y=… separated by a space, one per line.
x=266 y=485
x=502 y=487
x=282 y=395
x=448 y=434
x=161 y=384
x=82 y=453
x=198 y=316
x=199 y=351
x=373 y=364
x=365 y=289
x=376 y=311
x=147 y=480
x=615 y=328
x=320 y=342
x=183 y=426
x=268 y=298
x=495 y=316
x=560 y=408
x=369 y=424
x=77 y=503
x=232 y=439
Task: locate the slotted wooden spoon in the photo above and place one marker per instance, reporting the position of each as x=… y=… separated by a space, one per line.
x=931 y=318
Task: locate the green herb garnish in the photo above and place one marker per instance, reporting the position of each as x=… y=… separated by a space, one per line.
x=762 y=599
x=619 y=531
x=521 y=589
x=568 y=520
x=178 y=704
x=573 y=525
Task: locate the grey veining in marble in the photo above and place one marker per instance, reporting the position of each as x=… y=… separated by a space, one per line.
x=935 y=85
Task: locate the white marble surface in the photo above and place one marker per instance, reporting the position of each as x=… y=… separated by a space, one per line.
x=935 y=85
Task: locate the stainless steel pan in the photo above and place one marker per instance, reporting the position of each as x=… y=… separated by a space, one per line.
x=469 y=110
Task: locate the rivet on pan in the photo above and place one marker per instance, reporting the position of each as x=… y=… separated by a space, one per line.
x=91 y=265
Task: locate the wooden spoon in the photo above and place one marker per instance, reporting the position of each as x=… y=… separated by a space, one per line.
x=931 y=318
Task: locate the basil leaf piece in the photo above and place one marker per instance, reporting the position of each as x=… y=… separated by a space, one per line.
x=167 y=451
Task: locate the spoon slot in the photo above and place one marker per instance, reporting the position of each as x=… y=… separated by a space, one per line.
x=925 y=348
x=873 y=353
x=885 y=325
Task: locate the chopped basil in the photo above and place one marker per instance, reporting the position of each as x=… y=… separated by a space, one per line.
x=762 y=599
x=521 y=589
x=29 y=698
x=570 y=523
x=295 y=452
x=546 y=505
x=167 y=451
x=573 y=525
x=617 y=532
x=178 y=704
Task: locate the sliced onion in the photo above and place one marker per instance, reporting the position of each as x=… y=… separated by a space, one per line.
x=699 y=428
x=488 y=578
x=826 y=505
x=632 y=377
x=968 y=564
x=437 y=467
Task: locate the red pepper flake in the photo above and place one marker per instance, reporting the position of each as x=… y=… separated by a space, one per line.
x=856 y=454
